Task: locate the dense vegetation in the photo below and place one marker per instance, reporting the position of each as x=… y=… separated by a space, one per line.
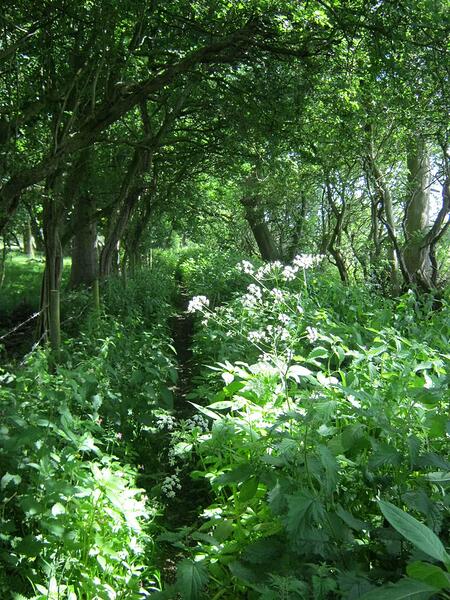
x=224 y=294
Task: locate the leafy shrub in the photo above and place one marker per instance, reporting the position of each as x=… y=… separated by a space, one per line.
x=332 y=398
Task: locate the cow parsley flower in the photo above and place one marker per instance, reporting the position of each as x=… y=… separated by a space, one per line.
x=312 y=334
x=169 y=486
x=197 y=304
x=245 y=267
x=289 y=272
x=284 y=318
x=277 y=294
x=256 y=336
x=306 y=261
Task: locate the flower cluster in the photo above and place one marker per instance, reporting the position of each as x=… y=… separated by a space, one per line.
x=256 y=336
x=169 y=486
x=197 y=304
x=277 y=294
x=270 y=333
x=306 y=261
x=268 y=269
x=197 y=421
x=165 y=421
x=245 y=267
x=312 y=334
x=284 y=318
x=289 y=272
x=253 y=296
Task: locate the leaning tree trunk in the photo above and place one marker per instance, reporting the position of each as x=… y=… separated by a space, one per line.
x=264 y=239
x=333 y=242
x=109 y=251
x=84 y=269
x=416 y=252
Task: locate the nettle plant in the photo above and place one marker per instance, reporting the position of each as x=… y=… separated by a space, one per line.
x=74 y=523
x=322 y=417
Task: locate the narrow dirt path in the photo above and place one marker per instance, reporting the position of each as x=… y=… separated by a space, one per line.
x=182 y=332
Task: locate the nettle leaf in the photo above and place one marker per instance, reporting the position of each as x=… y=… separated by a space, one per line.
x=350 y=520
x=304 y=510
x=405 y=589
x=237 y=475
x=191 y=579
x=248 y=489
x=430 y=574
x=418 y=500
x=244 y=572
x=330 y=465
x=263 y=550
x=384 y=454
x=277 y=499
x=418 y=534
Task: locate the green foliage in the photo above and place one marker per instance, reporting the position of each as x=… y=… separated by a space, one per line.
x=323 y=398
x=75 y=523
x=204 y=270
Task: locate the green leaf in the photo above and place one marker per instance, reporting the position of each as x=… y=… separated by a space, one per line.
x=384 y=455
x=248 y=489
x=8 y=479
x=438 y=477
x=405 y=589
x=331 y=468
x=58 y=509
x=350 y=520
x=297 y=371
x=428 y=573
x=418 y=534
x=241 y=571
x=318 y=352
x=191 y=579
x=207 y=412
x=304 y=510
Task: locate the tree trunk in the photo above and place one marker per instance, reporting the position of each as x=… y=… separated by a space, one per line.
x=49 y=322
x=416 y=252
x=266 y=244
x=334 y=240
x=298 y=229
x=384 y=203
x=84 y=269
x=28 y=239
x=109 y=251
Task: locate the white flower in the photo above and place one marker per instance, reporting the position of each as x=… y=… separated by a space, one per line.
x=277 y=294
x=165 y=422
x=289 y=273
x=169 y=485
x=249 y=301
x=198 y=303
x=255 y=290
x=197 y=421
x=306 y=261
x=255 y=336
x=245 y=267
x=267 y=269
x=283 y=318
x=282 y=333
x=312 y=334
